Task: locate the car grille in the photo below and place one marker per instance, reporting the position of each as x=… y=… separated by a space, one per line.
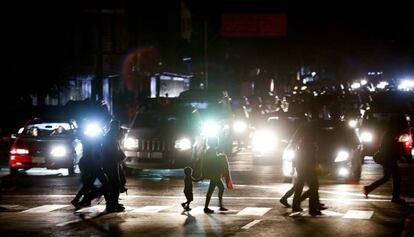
x=154 y=145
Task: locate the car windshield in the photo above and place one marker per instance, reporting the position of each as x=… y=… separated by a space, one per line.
x=45 y=129
x=336 y=134
x=162 y=116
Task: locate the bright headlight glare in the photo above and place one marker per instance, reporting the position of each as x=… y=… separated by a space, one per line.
x=93 y=130
x=239 y=126
x=264 y=141
x=288 y=155
x=352 y=123
x=131 y=143
x=183 y=144
x=366 y=137
x=287 y=168
x=210 y=129
x=342 y=156
x=343 y=172
x=58 y=151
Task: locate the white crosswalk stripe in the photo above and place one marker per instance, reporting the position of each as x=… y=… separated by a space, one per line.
x=358 y=214
x=253 y=211
x=44 y=208
x=150 y=209
x=246 y=211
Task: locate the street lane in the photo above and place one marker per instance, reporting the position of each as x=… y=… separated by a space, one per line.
x=39 y=200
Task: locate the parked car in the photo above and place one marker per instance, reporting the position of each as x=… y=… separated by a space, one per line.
x=47 y=143
x=338 y=153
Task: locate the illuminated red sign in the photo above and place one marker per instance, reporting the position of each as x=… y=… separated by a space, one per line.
x=254 y=25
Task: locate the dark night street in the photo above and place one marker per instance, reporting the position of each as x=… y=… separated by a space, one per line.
x=37 y=204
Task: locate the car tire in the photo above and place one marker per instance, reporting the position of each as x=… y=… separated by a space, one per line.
x=14 y=171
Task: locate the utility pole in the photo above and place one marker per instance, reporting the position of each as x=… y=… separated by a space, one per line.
x=97 y=82
x=206 y=52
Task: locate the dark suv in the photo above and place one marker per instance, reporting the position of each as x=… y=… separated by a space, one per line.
x=163 y=136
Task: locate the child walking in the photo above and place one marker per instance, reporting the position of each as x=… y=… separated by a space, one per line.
x=188 y=187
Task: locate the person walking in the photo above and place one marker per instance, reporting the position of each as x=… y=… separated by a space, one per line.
x=389 y=153
x=214 y=167
x=112 y=156
x=306 y=164
x=188 y=187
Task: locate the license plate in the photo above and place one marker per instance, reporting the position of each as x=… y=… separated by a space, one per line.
x=38 y=160
x=156 y=155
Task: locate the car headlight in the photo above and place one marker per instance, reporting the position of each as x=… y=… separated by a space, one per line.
x=210 y=129
x=130 y=143
x=183 y=144
x=288 y=155
x=352 y=123
x=93 y=130
x=19 y=151
x=287 y=168
x=59 y=151
x=366 y=137
x=342 y=156
x=264 y=141
x=239 y=126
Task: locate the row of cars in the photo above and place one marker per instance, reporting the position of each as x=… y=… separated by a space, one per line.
x=342 y=143
x=173 y=135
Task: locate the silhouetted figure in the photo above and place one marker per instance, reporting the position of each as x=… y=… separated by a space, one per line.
x=112 y=156
x=90 y=167
x=390 y=153
x=214 y=166
x=306 y=162
x=188 y=187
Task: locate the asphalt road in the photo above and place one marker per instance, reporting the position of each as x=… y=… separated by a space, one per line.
x=36 y=203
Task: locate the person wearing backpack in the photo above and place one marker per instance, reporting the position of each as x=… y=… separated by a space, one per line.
x=387 y=156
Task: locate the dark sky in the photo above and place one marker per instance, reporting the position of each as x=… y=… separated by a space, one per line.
x=369 y=35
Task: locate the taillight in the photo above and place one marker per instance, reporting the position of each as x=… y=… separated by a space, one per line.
x=18 y=151
x=404 y=138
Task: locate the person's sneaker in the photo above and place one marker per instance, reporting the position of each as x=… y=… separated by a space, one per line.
x=399 y=201
x=208 y=210
x=187 y=209
x=75 y=203
x=298 y=209
x=183 y=205
x=115 y=208
x=284 y=202
x=84 y=203
x=321 y=208
x=123 y=190
x=365 y=191
x=315 y=213
x=223 y=209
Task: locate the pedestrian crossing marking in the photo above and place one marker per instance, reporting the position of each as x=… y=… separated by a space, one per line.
x=92 y=209
x=249 y=225
x=44 y=208
x=150 y=209
x=253 y=211
x=356 y=214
